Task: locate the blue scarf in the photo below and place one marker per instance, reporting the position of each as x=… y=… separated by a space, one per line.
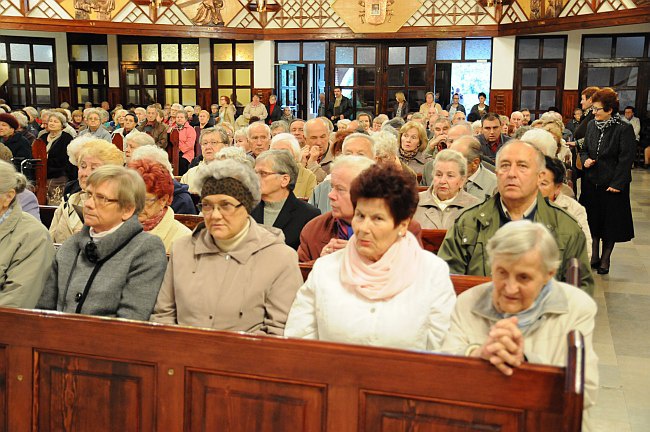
x=528 y=317
x=6 y=215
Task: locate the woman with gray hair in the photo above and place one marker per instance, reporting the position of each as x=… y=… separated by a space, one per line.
x=59 y=168
x=93 y=120
x=231 y=273
x=212 y=140
x=306 y=181
x=26 y=249
x=111 y=267
x=279 y=207
x=445 y=200
x=524 y=314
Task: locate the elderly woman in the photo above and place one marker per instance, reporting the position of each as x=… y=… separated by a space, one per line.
x=77 y=119
x=430 y=105
x=555 y=127
x=389 y=291
x=94 y=126
x=111 y=268
x=25 y=247
x=87 y=154
x=274 y=110
x=118 y=119
x=157 y=217
x=231 y=273
x=226 y=110
x=524 y=314
x=212 y=140
x=401 y=106
x=129 y=126
x=186 y=141
x=254 y=110
x=445 y=200
x=306 y=181
x=607 y=154
x=413 y=141
x=279 y=207
x=59 y=169
x=20 y=147
x=241 y=139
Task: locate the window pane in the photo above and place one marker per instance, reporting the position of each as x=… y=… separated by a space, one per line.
x=243 y=77
x=598 y=76
x=79 y=53
x=478 y=49
x=289 y=51
x=597 y=48
x=243 y=96
x=625 y=76
x=528 y=99
x=3 y=51
x=18 y=75
x=366 y=76
x=172 y=95
x=150 y=52
x=626 y=97
x=549 y=76
x=344 y=76
x=82 y=76
x=171 y=77
x=529 y=77
x=418 y=55
x=418 y=76
x=366 y=55
x=132 y=77
x=43 y=96
x=42 y=76
x=225 y=92
x=366 y=100
x=344 y=55
x=20 y=52
x=313 y=51
x=43 y=53
x=630 y=46
x=190 y=52
x=82 y=95
x=347 y=93
x=150 y=96
x=188 y=77
x=224 y=77
x=244 y=52
x=396 y=77
x=528 y=49
x=546 y=99
x=449 y=49
x=396 y=55
x=222 y=52
x=96 y=96
x=189 y=96
x=95 y=76
x=553 y=48
x=99 y=52
x=149 y=76
x=169 y=52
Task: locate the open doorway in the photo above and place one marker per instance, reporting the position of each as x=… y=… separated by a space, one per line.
x=468 y=80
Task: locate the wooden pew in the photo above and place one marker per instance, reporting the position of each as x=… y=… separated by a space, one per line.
x=173 y=148
x=72 y=372
x=118 y=141
x=432 y=239
x=47 y=214
x=39 y=153
x=423 y=188
x=190 y=221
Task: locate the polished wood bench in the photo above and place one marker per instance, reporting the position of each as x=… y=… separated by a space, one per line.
x=190 y=221
x=75 y=373
x=47 y=214
x=432 y=239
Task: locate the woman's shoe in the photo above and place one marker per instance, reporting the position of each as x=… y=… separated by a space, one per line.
x=603 y=270
x=595 y=264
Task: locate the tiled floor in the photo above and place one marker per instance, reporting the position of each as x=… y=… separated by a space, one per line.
x=622 y=335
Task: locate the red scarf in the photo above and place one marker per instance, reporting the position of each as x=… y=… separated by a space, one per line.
x=153 y=222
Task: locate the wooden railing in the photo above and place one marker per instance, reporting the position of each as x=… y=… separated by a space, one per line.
x=76 y=373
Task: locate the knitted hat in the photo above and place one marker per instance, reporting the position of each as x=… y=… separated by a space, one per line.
x=231 y=187
x=10 y=120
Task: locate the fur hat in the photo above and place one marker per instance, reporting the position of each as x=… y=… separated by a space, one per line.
x=10 y=120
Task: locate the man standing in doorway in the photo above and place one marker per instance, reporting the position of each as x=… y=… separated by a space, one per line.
x=340 y=108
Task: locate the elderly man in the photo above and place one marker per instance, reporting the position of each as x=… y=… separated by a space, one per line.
x=449 y=136
x=297 y=129
x=458 y=118
x=279 y=207
x=517 y=119
x=364 y=120
x=440 y=127
x=306 y=181
x=259 y=137
x=152 y=127
x=278 y=127
x=316 y=154
x=491 y=138
x=481 y=182
x=526 y=113
x=519 y=167
x=331 y=231
x=141 y=113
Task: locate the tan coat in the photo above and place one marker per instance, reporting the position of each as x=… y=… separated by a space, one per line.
x=431 y=216
x=66 y=221
x=250 y=288
x=305 y=183
x=26 y=254
x=169 y=229
x=579 y=213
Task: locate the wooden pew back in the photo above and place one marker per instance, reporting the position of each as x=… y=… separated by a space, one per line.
x=47 y=214
x=39 y=152
x=190 y=221
x=71 y=372
x=432 y=239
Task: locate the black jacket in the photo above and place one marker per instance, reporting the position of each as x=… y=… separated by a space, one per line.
x=345 y=108
x=474 y=113
x=580 y=131
x=485 y=147
x=292 y=218
x=274 y=115
x=20 y=148
x=182 y=202
x=58 y=163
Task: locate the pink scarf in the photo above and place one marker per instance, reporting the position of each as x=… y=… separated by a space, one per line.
x=389 y=276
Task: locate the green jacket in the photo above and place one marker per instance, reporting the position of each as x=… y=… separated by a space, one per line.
x=464 y=247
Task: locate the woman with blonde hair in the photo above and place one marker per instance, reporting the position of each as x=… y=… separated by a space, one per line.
x=412 y=143
x=402 y=106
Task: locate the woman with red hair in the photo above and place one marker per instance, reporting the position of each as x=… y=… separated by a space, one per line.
x=157 y=217
x=226 y=111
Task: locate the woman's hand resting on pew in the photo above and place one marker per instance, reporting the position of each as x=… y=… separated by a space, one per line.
x=504 y=347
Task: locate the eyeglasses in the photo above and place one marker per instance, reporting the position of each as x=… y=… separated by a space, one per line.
x=99 y=199
x=224 y=208
x=265 y=174
x=211 y=143
x=596 y=109
x=150 y=201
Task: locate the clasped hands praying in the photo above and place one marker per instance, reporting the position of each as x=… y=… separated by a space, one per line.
x=504 y=347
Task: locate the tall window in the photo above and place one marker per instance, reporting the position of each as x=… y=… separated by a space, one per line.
x=621 y=62
x=163 y=71
x=28 y=71
x=539 y=74
x=407 y=72
x=88 y=56
x=232 y=70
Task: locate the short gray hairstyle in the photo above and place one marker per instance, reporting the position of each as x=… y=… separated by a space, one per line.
x=10 y=179
x=385 y=144
x=381 y=118
x=75 y=147
x=140 y=139
x=280 y=124
x=223 y=135
x=240 y=132
x=31 y=111
x=283 y=163
x=395 y=123
x=521 y=131
x=359 y=135
x=293 y=142
x=516 y=238
x=58 y=116
x=250 y=127
x=355 y=163
x=154 y=153
x=130 y=187
x=89 y=111
x=542 y=139
x=472 y=144
x=541 y=162
x=448 y=155
x=230 y=168
x=477 y=125
x=21 y=118
x=177 y=106
x=235 y=153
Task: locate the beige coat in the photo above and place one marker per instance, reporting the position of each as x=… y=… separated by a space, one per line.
x=305 y=183
x=431 y=216
x=26 y=254
x=579 y=213
x=169 y=229
x=66 y=221
x=250 y=288
x=566 y=308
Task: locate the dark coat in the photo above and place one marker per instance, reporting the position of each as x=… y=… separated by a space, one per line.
x=275 y=114
x=292 y=218
x=405 y=109
x=474 y=113
x=182 y=202
x=58 y=163
x=581 y=130
x=345 y=108
x=20 y=148
x=460 y=108
x=158 y=133
x=486 y=150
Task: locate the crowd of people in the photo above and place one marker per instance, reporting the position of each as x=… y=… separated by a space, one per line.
x=349 y=196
